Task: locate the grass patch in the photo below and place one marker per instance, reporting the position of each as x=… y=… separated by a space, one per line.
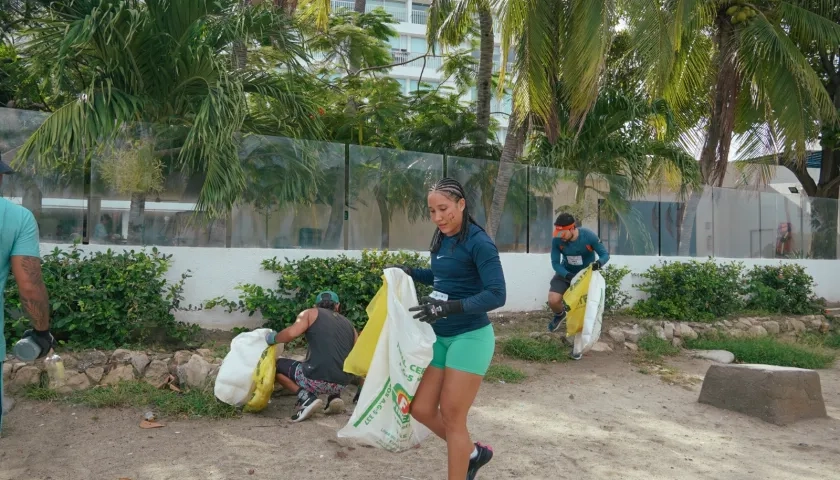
x=767 y=351
x=654 y=347
x=193 y=403
x=504 y=373
x=535 y=350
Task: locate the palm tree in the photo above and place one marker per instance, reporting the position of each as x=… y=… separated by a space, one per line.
x=450 y=22
x=552 y=40
x=159 y=68
x=624 y=142
x=762 y=85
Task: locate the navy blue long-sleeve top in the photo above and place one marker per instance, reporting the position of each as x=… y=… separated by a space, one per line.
x=471 y=272
x=574 y=256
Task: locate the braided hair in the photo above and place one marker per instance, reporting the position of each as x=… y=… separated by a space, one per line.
x=454 y=191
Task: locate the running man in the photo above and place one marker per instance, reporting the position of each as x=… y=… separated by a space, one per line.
x=572 y=250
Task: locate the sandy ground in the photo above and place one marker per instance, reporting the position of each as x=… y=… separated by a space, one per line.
x=594 y=419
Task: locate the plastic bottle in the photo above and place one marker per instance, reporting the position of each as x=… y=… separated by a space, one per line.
x=27 y=350
x=55 y=369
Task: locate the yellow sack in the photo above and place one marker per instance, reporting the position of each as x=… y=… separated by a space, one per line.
x=263 y=381
x=575 y=298
x=358 y=362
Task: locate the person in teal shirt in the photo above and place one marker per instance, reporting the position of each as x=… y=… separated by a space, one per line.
x=572 y=249
x=20 y=253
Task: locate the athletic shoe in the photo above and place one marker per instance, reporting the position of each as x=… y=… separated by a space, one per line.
x=485 y=454
x=556 y=322
x=575 y=356
x=306 y=406
x=334 y=405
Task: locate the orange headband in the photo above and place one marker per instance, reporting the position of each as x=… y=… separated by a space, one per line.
x=558 y=228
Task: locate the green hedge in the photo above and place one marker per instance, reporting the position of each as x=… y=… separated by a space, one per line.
x=706 y=291
x=615 y=298
x=355 y=281
x=104 y=299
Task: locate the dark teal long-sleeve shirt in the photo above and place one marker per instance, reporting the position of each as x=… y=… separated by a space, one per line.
x=572 y=257
x=471 y=272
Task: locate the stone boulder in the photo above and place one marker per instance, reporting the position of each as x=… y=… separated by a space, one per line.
x=156 y=373
x=719 y=356
x=194 y=373
x=778 y=395
x=119 y=373
x=74 y=381
x=25 y=376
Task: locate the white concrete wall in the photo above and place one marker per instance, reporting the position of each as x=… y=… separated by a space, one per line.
x=217 y=271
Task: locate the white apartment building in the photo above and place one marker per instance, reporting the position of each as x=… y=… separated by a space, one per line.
x=411 y=42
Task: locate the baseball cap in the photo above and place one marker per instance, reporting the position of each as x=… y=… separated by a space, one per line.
x=327 y=295
x=5 y=169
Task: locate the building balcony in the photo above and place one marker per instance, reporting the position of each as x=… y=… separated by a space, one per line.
x=417 y=17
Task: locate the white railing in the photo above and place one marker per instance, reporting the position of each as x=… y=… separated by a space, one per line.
x=432 y=61
x=399 y=14
x=343 y=5
x=419 y=17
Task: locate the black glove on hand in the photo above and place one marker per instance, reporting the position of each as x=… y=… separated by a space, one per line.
x=404 y=268
x=358 y=393
x=430 y=309
x=44 y=339
x=570 y=276
x=596 y=266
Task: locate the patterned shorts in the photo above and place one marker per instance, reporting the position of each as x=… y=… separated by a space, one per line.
x=294 y=370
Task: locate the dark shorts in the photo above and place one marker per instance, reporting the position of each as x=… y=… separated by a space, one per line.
x=293 y=370
x=559 y=285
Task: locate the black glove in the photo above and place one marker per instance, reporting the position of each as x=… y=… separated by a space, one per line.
x=430 y=309
x=44 y=339
x=404 y=268
x=358 y=392
x=596 y=266
x=570 y=276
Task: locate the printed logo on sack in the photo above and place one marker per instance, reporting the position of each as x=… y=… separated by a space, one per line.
x=402 y=403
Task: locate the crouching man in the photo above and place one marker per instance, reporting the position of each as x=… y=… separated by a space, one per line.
x=330 y=337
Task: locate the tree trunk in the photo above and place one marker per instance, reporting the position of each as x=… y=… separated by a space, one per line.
x=385 y=218
x=332 y=237
x=715 y=155
x=240 y=50
x=360 y=6
x=513 y=145
x=688 y=220
x=136 y=221
x=485 y=72
x=824 y=228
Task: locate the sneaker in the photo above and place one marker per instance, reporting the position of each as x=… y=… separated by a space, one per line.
x=485 y=454
x=306 y=406
x=334 y=405
x=575 y=356
x=558 y=321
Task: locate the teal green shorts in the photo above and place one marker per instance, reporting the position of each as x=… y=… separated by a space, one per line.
x=469 y=352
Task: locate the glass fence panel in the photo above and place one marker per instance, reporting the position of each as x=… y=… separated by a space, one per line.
x=821 y=237
x=387 y=202
x=628 y=221
x=737 y=223
x=553 y=192
x=479 y=180
x=686 y=222
x=141 y=194
x=53 y=191
x=294 y=195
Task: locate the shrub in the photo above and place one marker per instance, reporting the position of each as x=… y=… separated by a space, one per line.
x=692 y=290
x=767 y=351
x=504 y=373
x=534 y=350
x=104 y=299
x=784 y=288
x=355 y=281
x=615 y=298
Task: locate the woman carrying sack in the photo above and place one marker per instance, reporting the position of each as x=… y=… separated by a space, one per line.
x=468 y=282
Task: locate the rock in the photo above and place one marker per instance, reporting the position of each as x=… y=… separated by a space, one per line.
x=118 y=374
x=772 y=327
x=617 y=335
x=91 y=358
x=757 y=331
x=536 y=335
x=25 y=376
x=778 y=395
x=743 y=324
x=659 y=332
x=796 y=325
x=816 y=323
x=632 y=334
x=668 y=328
x=7 y=372
x=601 y=347
x=121 y=355
x=180 y=358
x=686 y=332
x=727 y=324
x=631 y=346
x=139 y=361
x=156 y=373
x=74 y=381
x=719 y=356
x=214 y=369
x=17 y=366
x=70 y=362
x=735 y=333
x=677 y=342
x=95 y=374
x=194 y=372
x=206 y=353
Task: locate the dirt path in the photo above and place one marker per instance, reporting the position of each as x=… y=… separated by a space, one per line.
x=620 y=424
